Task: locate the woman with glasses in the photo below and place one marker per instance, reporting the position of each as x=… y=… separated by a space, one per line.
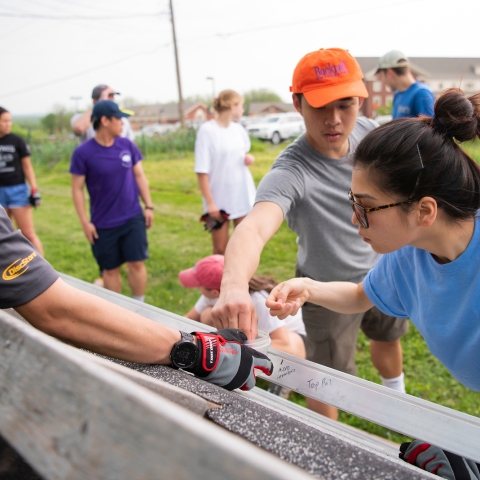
x=415 y=196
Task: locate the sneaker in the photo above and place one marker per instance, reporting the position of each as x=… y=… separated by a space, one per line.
x=280 y=391
x=99 y=282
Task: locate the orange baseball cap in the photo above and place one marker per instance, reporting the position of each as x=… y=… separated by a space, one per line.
x=327 y=75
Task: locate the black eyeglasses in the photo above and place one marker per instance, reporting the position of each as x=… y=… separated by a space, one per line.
x=361 y=212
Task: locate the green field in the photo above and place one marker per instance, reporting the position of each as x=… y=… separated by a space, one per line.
x=177 y=240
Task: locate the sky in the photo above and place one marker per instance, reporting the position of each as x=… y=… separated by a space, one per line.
x=53 y=50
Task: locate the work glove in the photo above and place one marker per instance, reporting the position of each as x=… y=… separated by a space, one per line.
x=225 y=361
x=35 y=199
x=212 y=223
x=439 y=462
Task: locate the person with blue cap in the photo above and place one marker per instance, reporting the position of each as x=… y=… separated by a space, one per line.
x=110 y=166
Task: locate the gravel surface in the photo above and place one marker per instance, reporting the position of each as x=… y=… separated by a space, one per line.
x=317 y=452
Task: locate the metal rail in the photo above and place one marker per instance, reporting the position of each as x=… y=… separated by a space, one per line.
x=446 y=428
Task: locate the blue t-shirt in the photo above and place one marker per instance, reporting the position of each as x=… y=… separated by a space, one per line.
x=443 y=301
x=417 y=100
x=110 y=180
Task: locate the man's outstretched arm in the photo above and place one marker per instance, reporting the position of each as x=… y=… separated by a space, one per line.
x=87 y=321
x=234 y=308
x=90 y=322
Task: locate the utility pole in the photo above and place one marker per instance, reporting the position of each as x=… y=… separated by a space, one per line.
x=76 y=99
x=213 y=86
x=179 y=83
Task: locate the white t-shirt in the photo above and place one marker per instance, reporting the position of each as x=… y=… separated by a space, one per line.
x=220 y=153
x=265 y=320
x=127 y=131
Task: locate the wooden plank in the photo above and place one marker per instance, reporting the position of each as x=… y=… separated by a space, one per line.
x=70 y=417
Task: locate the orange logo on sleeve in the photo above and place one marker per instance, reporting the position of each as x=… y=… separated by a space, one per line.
x=18 y=267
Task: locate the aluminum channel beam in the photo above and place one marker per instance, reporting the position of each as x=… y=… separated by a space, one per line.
x=444 y=427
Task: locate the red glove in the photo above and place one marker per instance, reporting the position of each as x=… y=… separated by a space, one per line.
x=225 y=361
x=438 y=461
x=212 y=223
x=35 y=199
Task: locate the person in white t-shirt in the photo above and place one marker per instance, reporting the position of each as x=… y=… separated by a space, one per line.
x=221 y=165
x=287 y=336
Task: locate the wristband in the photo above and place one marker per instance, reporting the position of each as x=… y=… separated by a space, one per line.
x=148 y=208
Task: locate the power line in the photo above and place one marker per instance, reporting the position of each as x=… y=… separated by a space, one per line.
x=56 y=9
x=81 y=73
x=81 y=17
x=238 y=32
x=311 y=20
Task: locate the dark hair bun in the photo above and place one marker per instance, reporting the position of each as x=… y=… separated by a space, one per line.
x=457 y=115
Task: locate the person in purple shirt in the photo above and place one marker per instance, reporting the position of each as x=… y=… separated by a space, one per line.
x=111 y=168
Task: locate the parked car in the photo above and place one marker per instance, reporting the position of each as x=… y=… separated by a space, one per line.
x=157 y=129
x=246 y=121
x=381 y=119
x=277 y=127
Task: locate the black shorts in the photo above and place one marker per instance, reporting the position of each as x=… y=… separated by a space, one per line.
x=126 y=243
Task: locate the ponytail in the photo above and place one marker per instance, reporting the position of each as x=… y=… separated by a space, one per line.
x=225 y=100
x=411 y=158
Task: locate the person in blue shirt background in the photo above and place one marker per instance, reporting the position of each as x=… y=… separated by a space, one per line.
x=411 y=98
x=430 y=270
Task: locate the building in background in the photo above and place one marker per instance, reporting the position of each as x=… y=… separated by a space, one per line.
x=265 y=108
x=164 y=114
x=438 y=73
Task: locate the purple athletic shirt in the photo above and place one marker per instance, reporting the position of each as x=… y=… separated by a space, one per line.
x=110 y=180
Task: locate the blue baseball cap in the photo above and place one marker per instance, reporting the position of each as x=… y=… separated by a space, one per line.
x=107 y=108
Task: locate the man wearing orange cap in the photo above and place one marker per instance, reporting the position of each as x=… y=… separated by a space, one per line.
x=308 y=186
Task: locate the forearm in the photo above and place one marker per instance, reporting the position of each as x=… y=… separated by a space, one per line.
x=90 y=322
x=29 y=173
x=242 y=257
x=80 y=125
x=204 y=185
x=244 y=248
x=341 y=297
x=79 y=203
x=144 y=189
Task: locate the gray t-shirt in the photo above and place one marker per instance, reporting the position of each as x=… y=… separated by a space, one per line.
x=312 y=190
x=24 y=274
x=127 y=131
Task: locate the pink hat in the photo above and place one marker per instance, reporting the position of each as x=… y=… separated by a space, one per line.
x=206 y=273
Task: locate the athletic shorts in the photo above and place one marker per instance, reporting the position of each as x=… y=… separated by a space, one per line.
x=15 y=196
x=332 y=337
x=126 y=243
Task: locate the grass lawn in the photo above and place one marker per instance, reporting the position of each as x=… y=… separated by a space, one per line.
x=177 y=241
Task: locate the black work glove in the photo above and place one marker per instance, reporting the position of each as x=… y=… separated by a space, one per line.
x=439 y=462
x=225 y=361
x=35 y=199
x=212 y=223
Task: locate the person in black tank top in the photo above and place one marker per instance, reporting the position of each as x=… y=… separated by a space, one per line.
x=15 y=171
